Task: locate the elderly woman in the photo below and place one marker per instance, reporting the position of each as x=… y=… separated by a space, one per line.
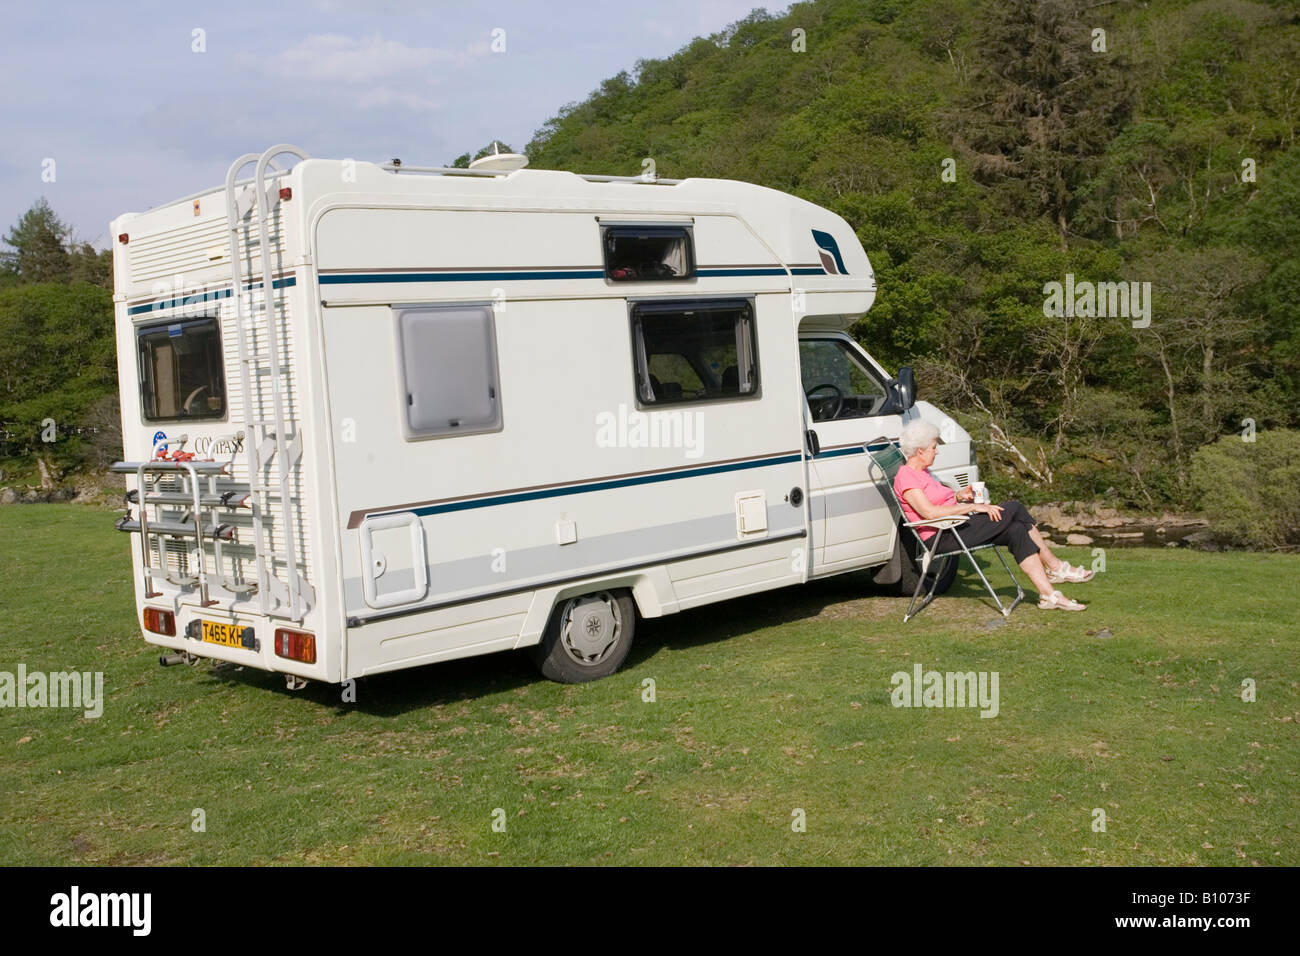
x=1008 y=524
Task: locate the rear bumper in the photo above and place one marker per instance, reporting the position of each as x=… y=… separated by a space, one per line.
x=261 y=656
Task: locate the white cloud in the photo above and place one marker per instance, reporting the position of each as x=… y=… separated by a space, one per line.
x=385 y=97
x=333 y=57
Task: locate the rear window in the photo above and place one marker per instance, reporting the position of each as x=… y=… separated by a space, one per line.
x=182 y=377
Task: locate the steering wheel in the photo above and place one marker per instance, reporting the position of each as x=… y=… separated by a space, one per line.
x=190 y=399
x=838 y=398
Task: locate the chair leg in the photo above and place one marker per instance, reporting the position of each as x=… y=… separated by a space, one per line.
x=1020 y=592
x=913 y=609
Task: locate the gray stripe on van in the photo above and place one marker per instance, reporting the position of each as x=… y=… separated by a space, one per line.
x=651 y=546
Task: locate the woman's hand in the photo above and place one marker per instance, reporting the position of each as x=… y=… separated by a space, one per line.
x=993 y=511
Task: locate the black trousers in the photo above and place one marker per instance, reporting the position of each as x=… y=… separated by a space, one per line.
x=1011 y=531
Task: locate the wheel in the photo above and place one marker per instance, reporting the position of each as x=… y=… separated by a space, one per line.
x=587 y=637
x=944 y=568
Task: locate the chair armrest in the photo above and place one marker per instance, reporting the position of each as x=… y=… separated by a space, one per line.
x=943 y=524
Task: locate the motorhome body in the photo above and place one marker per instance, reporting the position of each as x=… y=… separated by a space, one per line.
x=397 y=387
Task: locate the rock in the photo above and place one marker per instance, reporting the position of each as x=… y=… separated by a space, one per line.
x=8 y=496
x=1203 y=541
x=1077 y=539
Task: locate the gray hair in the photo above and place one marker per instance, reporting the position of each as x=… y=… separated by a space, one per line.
x=917 y=436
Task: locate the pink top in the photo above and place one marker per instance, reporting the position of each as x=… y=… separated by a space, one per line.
x=938 y=494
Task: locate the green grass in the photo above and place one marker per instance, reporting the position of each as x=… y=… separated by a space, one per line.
x=764 y=705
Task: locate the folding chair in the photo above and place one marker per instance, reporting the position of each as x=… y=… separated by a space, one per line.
x=889 y=459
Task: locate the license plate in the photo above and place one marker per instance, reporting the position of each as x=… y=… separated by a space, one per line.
x=227 y=635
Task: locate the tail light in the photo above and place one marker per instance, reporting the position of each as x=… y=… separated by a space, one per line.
x=159 y=621
x=295 y=645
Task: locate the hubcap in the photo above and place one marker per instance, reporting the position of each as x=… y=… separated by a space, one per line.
x=591 y=627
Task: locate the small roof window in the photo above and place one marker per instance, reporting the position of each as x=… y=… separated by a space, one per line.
x=657 y=253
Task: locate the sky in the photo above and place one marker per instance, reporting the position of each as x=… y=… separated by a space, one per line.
x=108 y=108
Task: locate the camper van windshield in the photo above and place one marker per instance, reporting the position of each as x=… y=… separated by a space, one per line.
x=181 y=372
x=836 y=383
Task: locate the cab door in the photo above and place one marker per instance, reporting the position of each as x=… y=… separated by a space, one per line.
x=848 y=402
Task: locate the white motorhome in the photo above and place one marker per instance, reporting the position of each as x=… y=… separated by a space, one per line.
x=377 y=417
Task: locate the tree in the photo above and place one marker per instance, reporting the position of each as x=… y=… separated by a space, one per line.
x=88 y=264
x=1200 y=339
x=56 y=361
x=39 y=244
x=1044 y=106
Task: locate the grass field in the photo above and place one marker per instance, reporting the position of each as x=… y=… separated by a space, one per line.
x=764 y=707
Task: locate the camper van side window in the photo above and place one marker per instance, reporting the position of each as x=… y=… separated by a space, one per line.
x=648 y=253
x=182 y=377
x=449 y=370
x=701 y=350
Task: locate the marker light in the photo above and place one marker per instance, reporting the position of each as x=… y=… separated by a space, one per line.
x=295 y=645
x=286 y=193
x=160 y=622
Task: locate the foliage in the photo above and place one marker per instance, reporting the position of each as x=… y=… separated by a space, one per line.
x=1247 y=488
x=57 y=361
x=1169 y=157
x=43 y=249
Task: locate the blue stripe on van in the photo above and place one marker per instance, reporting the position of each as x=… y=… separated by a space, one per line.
x=203 y=297
x=366 y=278
x=855 y=450
x=511 y=498
x=590 y=486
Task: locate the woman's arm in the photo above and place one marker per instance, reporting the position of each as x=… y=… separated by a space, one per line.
x=928 y=509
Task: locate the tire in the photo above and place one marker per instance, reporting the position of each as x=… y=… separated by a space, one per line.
x=945 y=568
x=588 y=637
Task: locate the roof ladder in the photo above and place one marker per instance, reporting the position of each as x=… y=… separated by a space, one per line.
x=267 y=443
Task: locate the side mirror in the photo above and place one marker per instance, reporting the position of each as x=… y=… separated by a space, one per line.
x=906 y=388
